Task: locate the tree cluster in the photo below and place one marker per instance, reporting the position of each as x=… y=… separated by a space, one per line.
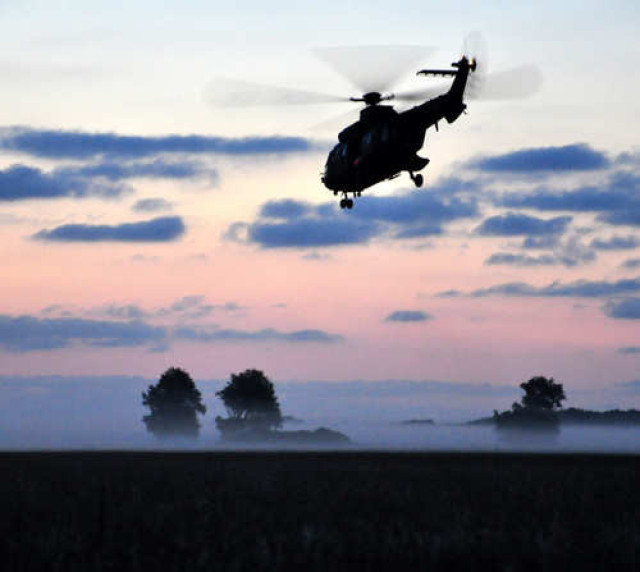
x=175 y=403
x=537 y=408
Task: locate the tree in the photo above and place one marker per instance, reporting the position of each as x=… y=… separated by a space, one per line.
x=174 y=402
x=542 y=393
x=251 y=403
x=537 y=408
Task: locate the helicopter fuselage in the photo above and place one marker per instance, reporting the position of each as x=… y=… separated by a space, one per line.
x=384 y=142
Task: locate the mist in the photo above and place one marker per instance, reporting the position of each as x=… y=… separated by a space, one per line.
x=102 y=413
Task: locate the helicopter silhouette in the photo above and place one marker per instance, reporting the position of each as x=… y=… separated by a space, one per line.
x=385 y=142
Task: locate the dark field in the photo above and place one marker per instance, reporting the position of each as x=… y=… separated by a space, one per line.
x=318 y=511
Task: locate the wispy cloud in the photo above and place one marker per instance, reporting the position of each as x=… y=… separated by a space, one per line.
x=19 y=182
x=625 y=309
x=516 y=224
x=616 y=243
x=164 y=229
x=155 y=169
x=536 y=160
x=577 y=289
x=629 y=350
x=60 y=144
x=28 y=333
x=151 y=205
x=616 y=201
x=408 y=316
x=631 y=263
x=210 y=335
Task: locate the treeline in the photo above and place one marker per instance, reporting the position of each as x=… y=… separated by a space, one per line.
x=249 y=398
x=541 y=408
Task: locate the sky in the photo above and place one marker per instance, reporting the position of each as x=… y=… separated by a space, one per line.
x=144 y=228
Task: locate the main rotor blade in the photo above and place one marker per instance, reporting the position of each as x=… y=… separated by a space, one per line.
x=227 y=92
x=373 y=68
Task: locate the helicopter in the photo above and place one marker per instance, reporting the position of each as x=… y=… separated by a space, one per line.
x=384 y=142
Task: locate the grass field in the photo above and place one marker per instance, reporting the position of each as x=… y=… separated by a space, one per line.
x=318 y=511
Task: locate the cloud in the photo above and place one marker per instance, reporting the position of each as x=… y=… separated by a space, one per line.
x=126 y=312
x=417 y=213
x=164 y=229
x=284 y=209
x=625 y=309
x=629 y=350
x=27 y=333
x=544 y=242
x=631 y=263
x=59 y=144
x=616 y=243
x=211 y=335
x=311 y=232
x=20 y=182
x=542 y=160
x=298 y=224
x=408 y=316
x=191 y=307
x=151 y=205
x=523 y=260
x=157 y=169
x=577 y=289
x=617 y=200
x=569 y=253
x=516 y=224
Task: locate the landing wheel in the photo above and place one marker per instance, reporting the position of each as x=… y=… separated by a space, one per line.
x=418 y=180
x=349 y=203
x=343 y=203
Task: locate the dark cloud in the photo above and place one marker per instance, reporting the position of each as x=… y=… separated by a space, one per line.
x=284 y=209
x=311 y=232
x=505 y=258
x=571 y=252
x=192 y=307
x=297 y=224
x=524 y=260
x=625 y=309
x=577 y=157
x=127 y=312
x=631 y=263
x=210 y=335
x=162 y=229
x=20 y=182
x=516 y=224
x=578 y=289
x=617 y=201
x=622 y=217
x=629 y=350
x=59 y=144
x=27 y=333
x=151 y=205
x=544 y=242
x=616 y=243
x=408 y=316
x=428 y=209
x=157 y=169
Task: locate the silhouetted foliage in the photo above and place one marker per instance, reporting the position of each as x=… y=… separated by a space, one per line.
x=542 y=393
x=251 y=403
x=611 y=417
x=174 y=403
x=537 y=410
